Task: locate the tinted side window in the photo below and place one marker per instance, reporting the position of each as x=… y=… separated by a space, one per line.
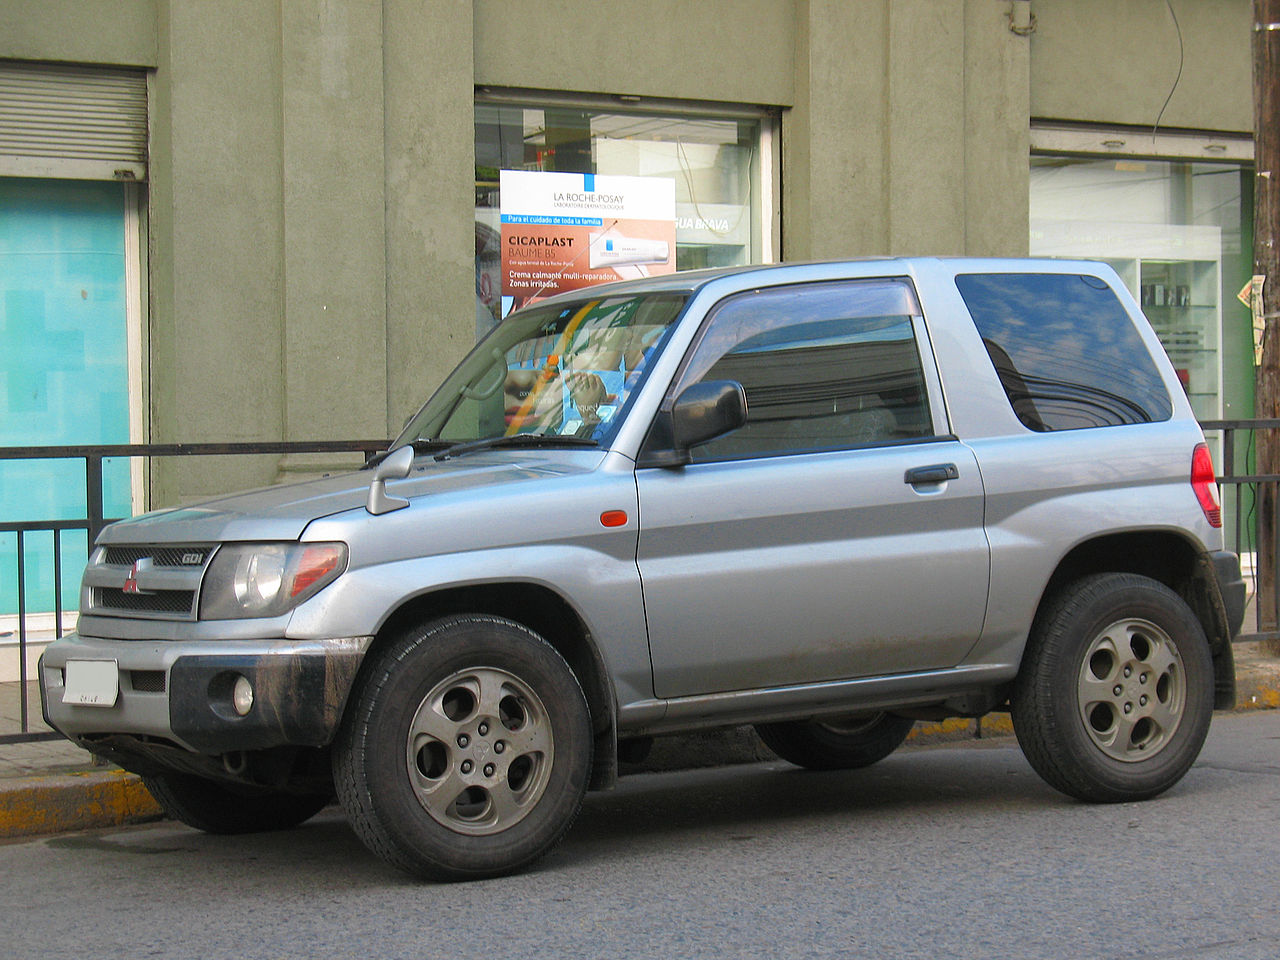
x=824 y=366
x=1067 y=353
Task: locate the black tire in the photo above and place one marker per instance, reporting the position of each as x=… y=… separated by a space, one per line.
x=466 y=749
x=836 y=743
x=1115 y=693
x=215 y=807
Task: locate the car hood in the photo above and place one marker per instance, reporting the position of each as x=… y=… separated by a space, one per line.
x=283 y=512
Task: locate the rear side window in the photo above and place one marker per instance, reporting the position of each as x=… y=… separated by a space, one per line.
x=1065 y=350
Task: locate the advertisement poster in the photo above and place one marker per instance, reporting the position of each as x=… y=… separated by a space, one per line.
x=1251 y=297
x=565 y=231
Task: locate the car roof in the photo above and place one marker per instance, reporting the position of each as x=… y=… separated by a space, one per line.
x=690 y=281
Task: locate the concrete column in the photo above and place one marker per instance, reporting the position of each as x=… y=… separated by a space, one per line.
x=430 y=196
x=216 y=253
x=926 y=127
x=997 y=142
x=835 y=197
x=909 y=131
x=332 y=210
x=333 y=215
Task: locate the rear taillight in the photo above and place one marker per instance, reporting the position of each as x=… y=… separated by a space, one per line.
x=1205 y=484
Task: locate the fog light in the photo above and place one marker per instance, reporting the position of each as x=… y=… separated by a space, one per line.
x=242 y=696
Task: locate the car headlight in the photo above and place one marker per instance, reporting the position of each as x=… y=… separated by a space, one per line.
x=267 y=579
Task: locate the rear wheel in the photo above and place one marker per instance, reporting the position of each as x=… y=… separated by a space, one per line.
x=836 y=743
x=216 y=807
x=466 y=751
x=1115 y=695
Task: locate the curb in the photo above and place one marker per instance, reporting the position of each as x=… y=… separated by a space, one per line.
x=59 y=803
x=31 y=806
x=735 y=745
x=1260 y=692
x=1255 y=690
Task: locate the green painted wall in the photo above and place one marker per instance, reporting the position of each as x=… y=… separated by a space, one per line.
x=118 y=32
x=310 y=189
x=430 y=182
x=313 y=168
x=217 y=238
x=922 y=148
x=1115 y=61
x=730 y=50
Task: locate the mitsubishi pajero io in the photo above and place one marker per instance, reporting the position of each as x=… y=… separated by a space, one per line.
x=827 y=500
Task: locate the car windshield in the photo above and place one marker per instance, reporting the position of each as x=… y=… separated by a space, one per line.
x=552 y=370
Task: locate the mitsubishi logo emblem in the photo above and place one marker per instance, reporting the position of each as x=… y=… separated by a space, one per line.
x=131 y=578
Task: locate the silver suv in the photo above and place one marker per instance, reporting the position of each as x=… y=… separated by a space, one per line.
x=827 y=500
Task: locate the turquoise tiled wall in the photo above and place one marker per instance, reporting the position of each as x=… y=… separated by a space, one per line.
x=63 y=366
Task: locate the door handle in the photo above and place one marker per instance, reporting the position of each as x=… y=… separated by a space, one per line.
x=934 y=473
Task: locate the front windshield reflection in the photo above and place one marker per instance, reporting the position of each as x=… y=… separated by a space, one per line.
x=563 y=370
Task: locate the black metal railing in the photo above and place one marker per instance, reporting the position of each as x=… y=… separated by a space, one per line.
x=94 y=520
x=1245 y=494
x=1252 y=523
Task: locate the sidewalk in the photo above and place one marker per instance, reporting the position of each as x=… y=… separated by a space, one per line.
x=53 y=786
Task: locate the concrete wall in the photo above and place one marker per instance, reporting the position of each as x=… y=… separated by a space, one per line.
x=739 y=51
x=311 y=191
x=430 y=177
x=922 y=148
x=1115 y=61
x=312 y=200
x=217 y=235
x=116 y=32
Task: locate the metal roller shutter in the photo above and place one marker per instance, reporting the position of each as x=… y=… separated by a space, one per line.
x=84 y=123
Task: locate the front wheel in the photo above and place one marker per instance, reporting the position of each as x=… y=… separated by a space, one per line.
x=466 y=751
x=214 y=807
x=836 y=743
x=1115 y=694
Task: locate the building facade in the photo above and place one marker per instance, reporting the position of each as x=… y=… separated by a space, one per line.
x=258 y=220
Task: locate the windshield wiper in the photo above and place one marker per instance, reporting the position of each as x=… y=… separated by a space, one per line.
x=419 y=447
x=515 y=440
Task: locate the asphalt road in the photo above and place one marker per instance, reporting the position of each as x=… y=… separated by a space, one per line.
x=938 y=852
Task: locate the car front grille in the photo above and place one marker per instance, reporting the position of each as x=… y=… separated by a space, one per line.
x=147 y=681
x=160 y=582
x=160 y=556
x=165 y=601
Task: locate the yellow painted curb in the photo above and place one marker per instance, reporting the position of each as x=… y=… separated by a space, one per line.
x=961 y=728
x=76 y=801
x=1259 y=697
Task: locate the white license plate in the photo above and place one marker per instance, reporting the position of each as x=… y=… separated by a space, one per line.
x=91 y=683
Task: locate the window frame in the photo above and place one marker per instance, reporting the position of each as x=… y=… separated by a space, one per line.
x=931 y=385
x=766 y=179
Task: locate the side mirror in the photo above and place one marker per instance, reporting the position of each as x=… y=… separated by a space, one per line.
x=396 y=466
x=701 y=413
x=707 y=410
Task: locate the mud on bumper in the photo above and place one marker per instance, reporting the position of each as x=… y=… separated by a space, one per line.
x=180 y=694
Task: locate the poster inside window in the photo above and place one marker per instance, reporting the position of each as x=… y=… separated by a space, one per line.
x=713 y=164
x=566 y=231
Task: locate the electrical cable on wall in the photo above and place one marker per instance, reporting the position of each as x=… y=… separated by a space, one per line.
x=1181 y=61
x=686 y=168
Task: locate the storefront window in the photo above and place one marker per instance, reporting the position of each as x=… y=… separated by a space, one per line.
x=721 y=167
x=1178 y=235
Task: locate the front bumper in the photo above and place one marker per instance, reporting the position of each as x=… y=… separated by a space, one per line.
x=180 y=692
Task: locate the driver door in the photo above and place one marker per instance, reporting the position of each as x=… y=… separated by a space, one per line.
x=839 y=533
